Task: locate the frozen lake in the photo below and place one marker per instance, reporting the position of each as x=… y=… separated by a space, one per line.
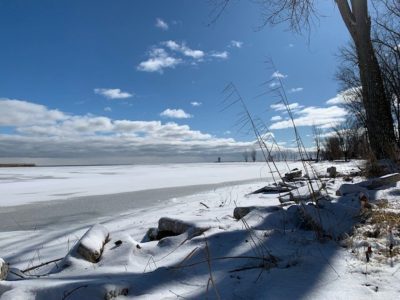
x=34 y=198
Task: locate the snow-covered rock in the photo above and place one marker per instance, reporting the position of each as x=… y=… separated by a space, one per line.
x=239 y=212
x=350 y=188
x=3 y=269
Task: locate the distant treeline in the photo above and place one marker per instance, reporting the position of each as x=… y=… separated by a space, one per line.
x=16 y=165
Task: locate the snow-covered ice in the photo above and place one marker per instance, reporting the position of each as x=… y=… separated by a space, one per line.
x=26 y=185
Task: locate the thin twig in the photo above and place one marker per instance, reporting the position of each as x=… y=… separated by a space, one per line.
x=41 y=265
x=67 y=294
x=207 y=250
x=205 y=205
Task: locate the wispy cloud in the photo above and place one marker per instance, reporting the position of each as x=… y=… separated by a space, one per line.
x=278 y=74
x=274 y=84
x=222 y=55
x=291 y=45
x=107 y=109
x=169 y=54
x=196 y=103
x=175 y=114
x=185 y=50
x=236 y=44
x=276 y=118
x=160 y=23
x=112 y=93
x=281 y=107
x=158 y=61
x=296 y=90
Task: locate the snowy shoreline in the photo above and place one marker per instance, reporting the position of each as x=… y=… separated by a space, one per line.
x=270 y=254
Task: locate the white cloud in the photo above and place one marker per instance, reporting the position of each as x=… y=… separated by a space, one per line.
x=324 y=117
x=23 y=113
x=341 y=97
x=281 y=107
x=170 y=53
x=158 y=61
x=160 y=23
x=236 y=44
x=222 y=55
x=112 y=93
x=291 y=45
x=335 y=100
x=196 y=103
x=108 y=109
x=175 y=113
x=278 y=74
x=295 y=90
x=276 y=118
x=43 y=132
x=185 y=50
x=172 y=45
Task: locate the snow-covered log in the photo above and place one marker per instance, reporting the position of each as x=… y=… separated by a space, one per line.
x=3 y=269
x=91 y=245
x=382 y=181
x=295 y=173
x=303 y=193
x=275 y=188
x=363 y=187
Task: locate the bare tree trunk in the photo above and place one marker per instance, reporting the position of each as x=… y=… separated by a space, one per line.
x=377 y=105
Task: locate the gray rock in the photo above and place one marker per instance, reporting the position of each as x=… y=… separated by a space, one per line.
x=240 y=212
x=3 y=269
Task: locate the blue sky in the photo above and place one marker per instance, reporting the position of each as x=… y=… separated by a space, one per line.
x=73 y=71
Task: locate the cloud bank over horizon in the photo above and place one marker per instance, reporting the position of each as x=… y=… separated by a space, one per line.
x=36 y=131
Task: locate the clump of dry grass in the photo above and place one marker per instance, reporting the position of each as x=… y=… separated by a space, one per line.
x=386 y=218
x=380 y=230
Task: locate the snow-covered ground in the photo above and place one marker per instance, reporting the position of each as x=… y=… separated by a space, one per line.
x=269 y=254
